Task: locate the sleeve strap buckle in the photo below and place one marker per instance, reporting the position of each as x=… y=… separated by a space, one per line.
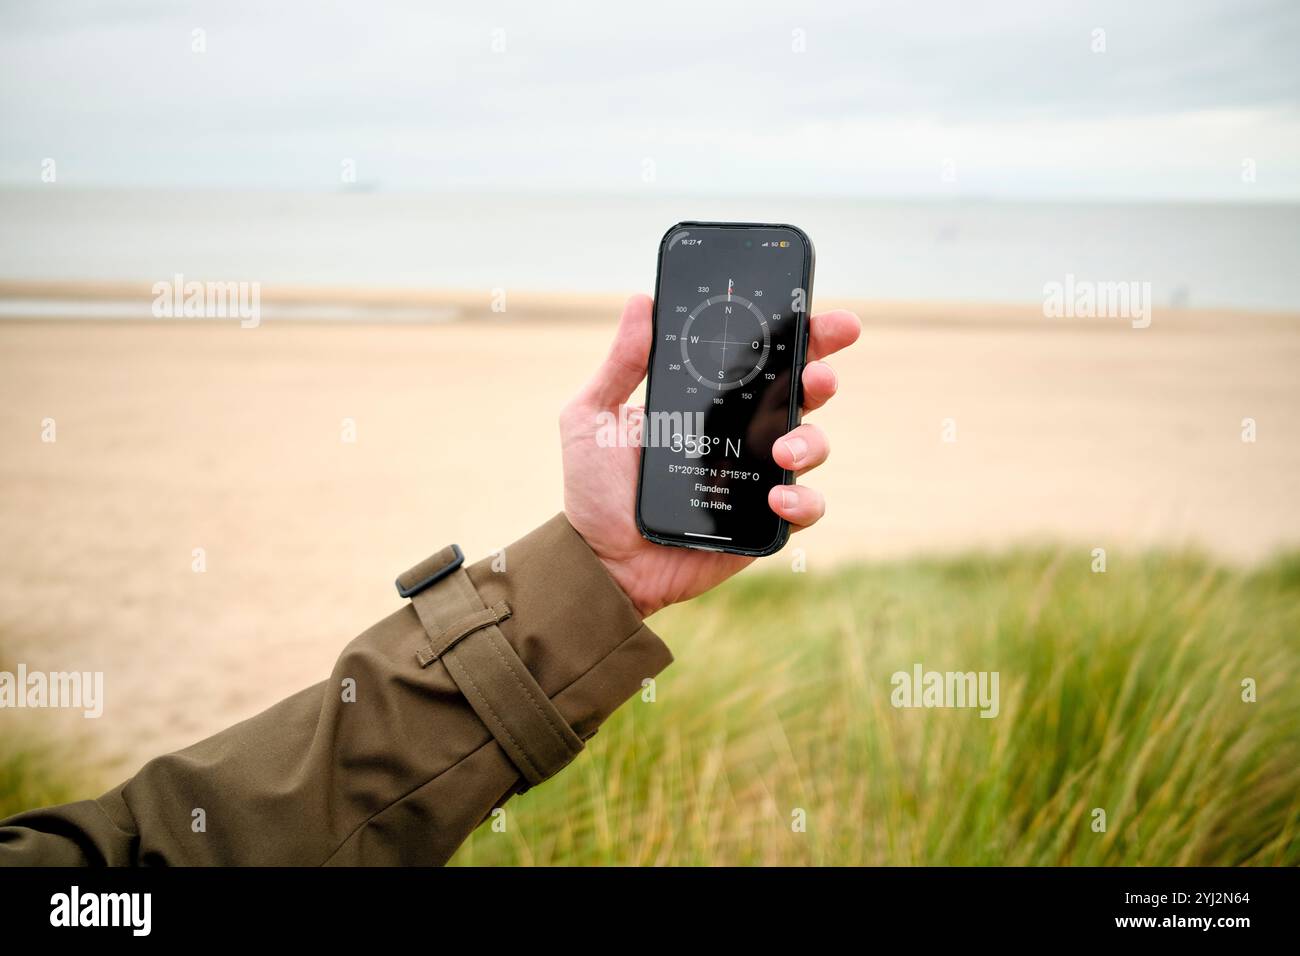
x=430 y=571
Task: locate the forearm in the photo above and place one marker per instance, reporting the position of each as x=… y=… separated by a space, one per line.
x=386 y=761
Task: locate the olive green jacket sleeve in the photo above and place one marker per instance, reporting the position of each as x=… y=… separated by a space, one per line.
x=430 y=719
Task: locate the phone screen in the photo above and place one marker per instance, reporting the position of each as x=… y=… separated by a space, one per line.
x=730 y=332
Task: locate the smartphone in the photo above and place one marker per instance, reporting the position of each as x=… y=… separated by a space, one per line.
x=731 y=311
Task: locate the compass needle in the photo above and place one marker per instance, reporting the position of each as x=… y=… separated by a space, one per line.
x=714 y=315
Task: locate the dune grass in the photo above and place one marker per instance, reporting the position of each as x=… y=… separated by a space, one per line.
x=1120 y=691
x=30 y=774
x=29 y=777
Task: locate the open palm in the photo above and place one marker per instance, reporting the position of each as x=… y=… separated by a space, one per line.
x=600 y=479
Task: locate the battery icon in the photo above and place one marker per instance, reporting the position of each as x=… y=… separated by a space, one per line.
x=784 y=245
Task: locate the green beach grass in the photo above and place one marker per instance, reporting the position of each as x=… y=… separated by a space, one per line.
x=29 y=777
x=28 y=780
x=30 y=774
x=1119 y=691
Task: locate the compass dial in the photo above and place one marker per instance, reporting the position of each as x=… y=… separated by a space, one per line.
x=725 y=342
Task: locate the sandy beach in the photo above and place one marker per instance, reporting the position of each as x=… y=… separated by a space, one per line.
x=176 y=435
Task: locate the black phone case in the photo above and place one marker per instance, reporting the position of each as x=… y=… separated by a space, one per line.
x=796 y=392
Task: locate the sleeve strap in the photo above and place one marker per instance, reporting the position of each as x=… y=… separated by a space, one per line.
x=464 y=636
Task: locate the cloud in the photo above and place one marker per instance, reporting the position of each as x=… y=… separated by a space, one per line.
x=716 y=95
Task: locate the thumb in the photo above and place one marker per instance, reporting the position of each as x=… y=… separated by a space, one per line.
x=625 y=365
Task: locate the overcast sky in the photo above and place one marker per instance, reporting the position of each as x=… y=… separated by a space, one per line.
x=895 y=100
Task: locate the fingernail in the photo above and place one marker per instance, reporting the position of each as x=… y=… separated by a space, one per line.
x=797 y=448
x=788 y=499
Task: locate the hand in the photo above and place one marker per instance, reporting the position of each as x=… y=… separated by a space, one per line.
x=600 y=482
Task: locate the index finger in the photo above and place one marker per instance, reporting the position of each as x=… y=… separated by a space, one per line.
x=831 y=331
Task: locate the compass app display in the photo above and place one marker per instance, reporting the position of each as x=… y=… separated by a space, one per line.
x=730 y=331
